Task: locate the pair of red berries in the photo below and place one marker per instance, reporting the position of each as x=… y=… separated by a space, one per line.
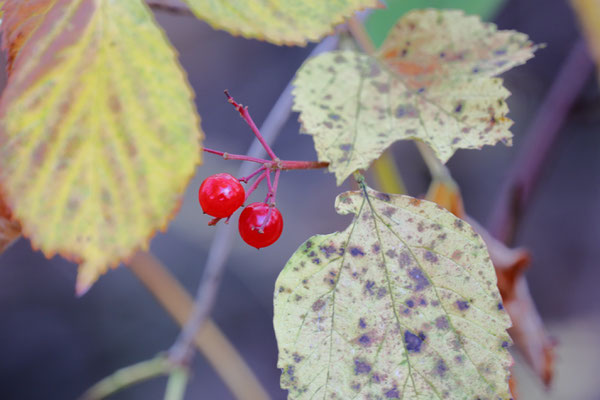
x=221 y=195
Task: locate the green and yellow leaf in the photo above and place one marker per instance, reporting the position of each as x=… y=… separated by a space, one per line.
x=403 y=304
x=99 y=130
x=432 y=80
x=290 y=22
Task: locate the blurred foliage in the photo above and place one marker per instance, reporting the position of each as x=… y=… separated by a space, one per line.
x=381 y=21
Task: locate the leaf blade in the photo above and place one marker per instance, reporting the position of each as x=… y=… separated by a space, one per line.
x=289 y=22
x=106 y=135
x=428 y=82
x=346 y=303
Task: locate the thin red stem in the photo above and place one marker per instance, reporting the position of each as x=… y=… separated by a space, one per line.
x=269 y=186
x=271 y=196
x=277 y=173
x=255 y=184
x=252 y=175
x=228 y=156
x=246 y=116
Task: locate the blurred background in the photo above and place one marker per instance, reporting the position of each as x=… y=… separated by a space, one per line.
x=54 y=346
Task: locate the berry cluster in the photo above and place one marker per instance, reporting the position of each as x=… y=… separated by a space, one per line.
x=260 y=224
x=220 y=195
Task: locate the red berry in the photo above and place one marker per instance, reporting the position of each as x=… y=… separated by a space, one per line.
x=220 y=195
x=252 y=218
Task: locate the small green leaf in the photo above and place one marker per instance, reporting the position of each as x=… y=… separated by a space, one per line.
x=432 y=80
x=403 y=304
x=292 y=22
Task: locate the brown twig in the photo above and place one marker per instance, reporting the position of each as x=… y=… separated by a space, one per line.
x=539 y=141
x=219 y=352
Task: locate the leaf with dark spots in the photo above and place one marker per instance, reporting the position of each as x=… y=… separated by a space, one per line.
x=360 y=304
x=462 y=305
x=528 y=330
x=406 y=91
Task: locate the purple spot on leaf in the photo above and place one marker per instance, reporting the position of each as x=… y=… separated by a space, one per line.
x=420 y=280
x=361 y=367
x=413 y=342
x=462 y=305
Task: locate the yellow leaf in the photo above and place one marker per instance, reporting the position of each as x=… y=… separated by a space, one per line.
x=402 y=304
x=291 y=22
x=433 y=80
x=99 y=133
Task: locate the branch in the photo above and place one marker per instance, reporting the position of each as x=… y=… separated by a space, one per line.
x=215 y=347
x=221 y=245
x=539 y=141
x=128 y=376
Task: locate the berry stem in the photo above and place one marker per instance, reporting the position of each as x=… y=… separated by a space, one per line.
x=246 y=116
x=270 y=187
x=252 y=175
x=255 y=184
x=228 y=156
x=274 y=191
x=283 y=165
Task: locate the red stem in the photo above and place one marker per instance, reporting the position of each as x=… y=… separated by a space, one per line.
x=246 y=116
x=272 y=165
x=255 y=184
x=252 y=175
x=277 y=173
x=228 y=156
x=270 y=187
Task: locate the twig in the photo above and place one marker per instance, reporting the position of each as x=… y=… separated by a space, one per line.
x=128 y=376
x=177 y=384
x=542 y=135
x=252 y=175
x=256 y=183
x=246 y=117
x=221 y=245
x=276 y=164
x=170 y=6
x=211 y=342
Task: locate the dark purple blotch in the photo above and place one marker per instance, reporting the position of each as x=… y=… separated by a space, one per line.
x=500 y=306
x=364 y=340
x=462 y=305
x=410 y=303
x=361 y=367
x=441 y=368
x=356 y=251
x=413 y=342
x=392 y=394
x=429 y=256
x=369 y=287
x=362 y=323
x=420 y=279
x=441 y=322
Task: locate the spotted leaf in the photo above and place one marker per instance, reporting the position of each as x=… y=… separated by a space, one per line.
x=99 y=132
x=403 y=304
x=278 y=21
x=432 y=80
